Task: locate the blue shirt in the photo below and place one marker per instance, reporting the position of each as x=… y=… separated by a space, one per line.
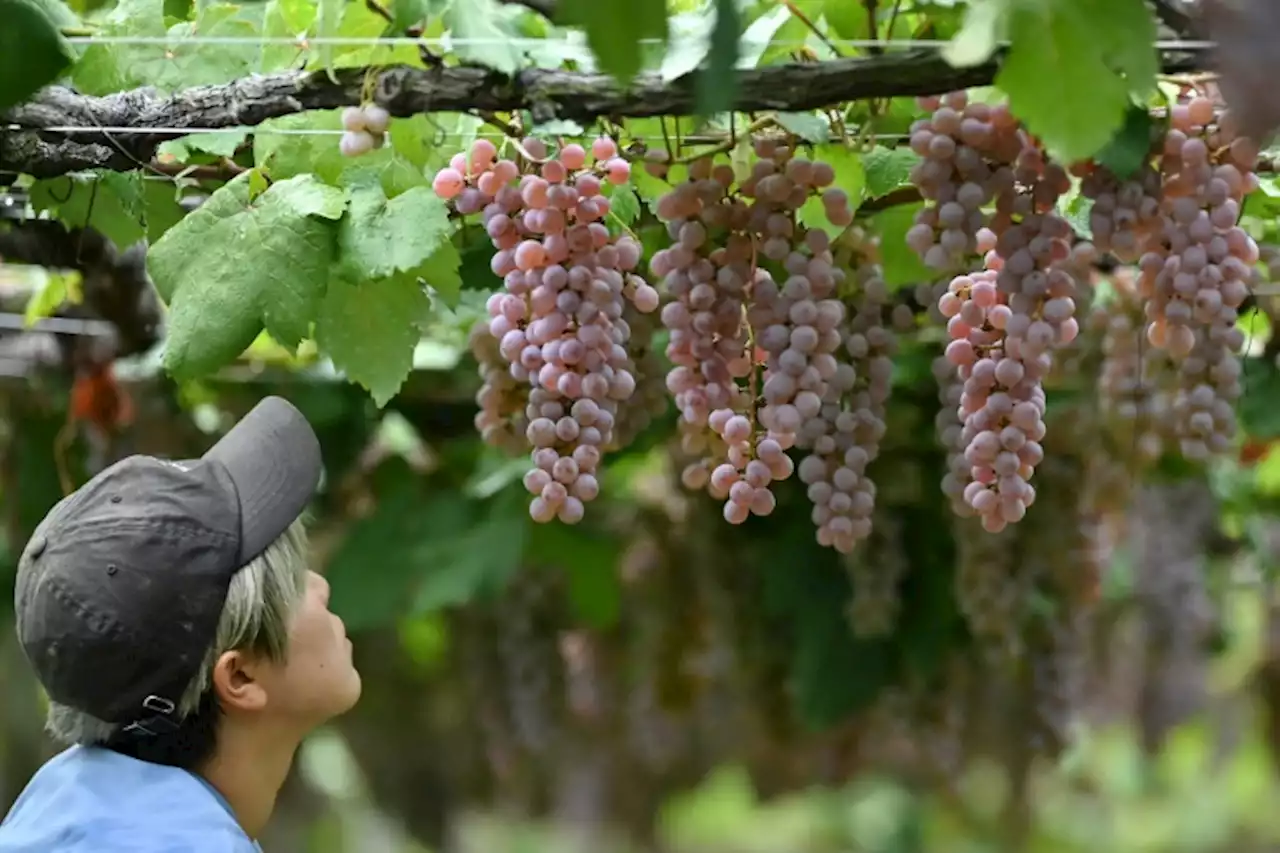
x=93 y=800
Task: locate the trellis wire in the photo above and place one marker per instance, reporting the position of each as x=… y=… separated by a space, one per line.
x=446 y=42
x=316 y=131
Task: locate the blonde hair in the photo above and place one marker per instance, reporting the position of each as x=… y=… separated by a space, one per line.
x=261 y=601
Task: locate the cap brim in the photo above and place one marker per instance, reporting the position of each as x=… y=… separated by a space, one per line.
x=273 y=457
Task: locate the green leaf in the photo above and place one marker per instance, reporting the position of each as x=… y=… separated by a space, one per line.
x=1058 y=79
x=624 y=206
x=236 y=264
x=443 y=272
x=980 y=36
x=847 y=19
x=1125 y=32
x=374 y=571
x=219 y=143
x=56 y=289
x=380 y=236
x=888 y=169
x=33 y=52
x=1130 y=148
x=615 y=38
x=590 y=562
x=717 y=86
x=483 y=31
x=369 y=330
x=807 y=126
x=112 y=202
x=1259 y=414
x=182 y=61
x=477 y=558
x=850 y=177
x=902 y=266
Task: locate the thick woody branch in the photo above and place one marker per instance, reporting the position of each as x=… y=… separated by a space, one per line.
x=36 y=150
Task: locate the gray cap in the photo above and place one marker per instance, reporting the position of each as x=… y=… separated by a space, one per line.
x=121 y=586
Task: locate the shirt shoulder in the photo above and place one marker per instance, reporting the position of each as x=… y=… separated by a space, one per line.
x=91 y=800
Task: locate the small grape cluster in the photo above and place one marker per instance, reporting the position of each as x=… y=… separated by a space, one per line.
x=729 y=314
x=559 y=318
x=967 y=149
x=501 y=419
x=1133 y=380
x=363 y=129
x=1126 y=214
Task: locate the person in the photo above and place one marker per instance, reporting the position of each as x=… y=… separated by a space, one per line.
x=186 y=649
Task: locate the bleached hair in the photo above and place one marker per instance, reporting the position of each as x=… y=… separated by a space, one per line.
x=261 y=601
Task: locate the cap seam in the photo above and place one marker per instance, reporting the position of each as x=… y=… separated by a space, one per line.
x=150 y=524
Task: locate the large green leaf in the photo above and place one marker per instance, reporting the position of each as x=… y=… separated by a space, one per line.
x=381 y=236
x=180 y=63
x=33 y=52
x=483 y=28
x=615 y=39
x=238 y=263
x=370 y=328
x=1061 y=73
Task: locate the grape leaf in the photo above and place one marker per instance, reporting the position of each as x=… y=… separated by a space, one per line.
x=902 y=266
x=615 y=39
x=979 y=36
x=235 y=265
x=760 y=36
x=369 y=330
x=888 y=169
x=483 y=32
x=624 y=207
x=443 y=272
x=220 y=143
x=180 y=63
x=380 y=236
x=33 y=52
x=111 y=202
x=850 y=177
x=1130 y=148
x=587 y=560
x=847 y=20
x=402 y=535
x=1125 y=33
x=1058 y=81
x=807 y=126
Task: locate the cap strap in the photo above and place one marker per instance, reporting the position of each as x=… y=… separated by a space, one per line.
x=161 y=722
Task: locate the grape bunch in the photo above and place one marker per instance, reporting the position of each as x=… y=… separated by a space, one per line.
x=730 y=316
x=363 y=129
x=559 y=318
x=1133 y=382
x=502 y=399
x=843 y=437
x=968 y=149
x=1197 y=277
x=1126 y=214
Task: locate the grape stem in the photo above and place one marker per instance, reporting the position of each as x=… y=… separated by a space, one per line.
x=726 y=145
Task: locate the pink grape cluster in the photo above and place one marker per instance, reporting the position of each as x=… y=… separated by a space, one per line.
x=1133 y=378
x=363 y=129
x=501 y=419
x=559 y=318
x=1002 y=329
x=843 y=437
x=723 y=301
x=1199 y=273
x=968 y=149
x=1126 y=214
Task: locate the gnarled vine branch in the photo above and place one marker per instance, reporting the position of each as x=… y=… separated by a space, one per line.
x=34 y=149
